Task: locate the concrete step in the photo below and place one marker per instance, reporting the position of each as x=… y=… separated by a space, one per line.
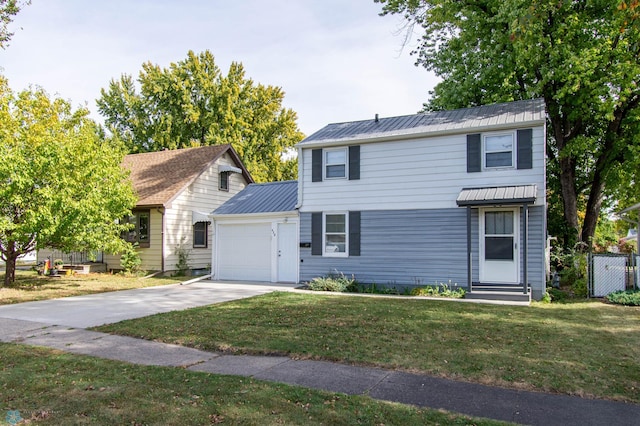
x=511 y=296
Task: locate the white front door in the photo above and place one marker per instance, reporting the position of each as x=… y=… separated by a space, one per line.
x=499 y=254
x=287 y=252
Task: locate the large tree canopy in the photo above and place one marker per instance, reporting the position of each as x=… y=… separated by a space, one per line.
x=192 y=103
x=61 y=183
x=581 y=56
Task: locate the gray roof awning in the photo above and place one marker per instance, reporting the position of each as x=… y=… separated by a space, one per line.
x=227 y=168
x=497 y=195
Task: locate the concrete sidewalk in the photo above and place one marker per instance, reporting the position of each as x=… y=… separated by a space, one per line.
x=33 y=324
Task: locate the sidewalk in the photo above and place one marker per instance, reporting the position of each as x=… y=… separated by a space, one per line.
x=420 y=390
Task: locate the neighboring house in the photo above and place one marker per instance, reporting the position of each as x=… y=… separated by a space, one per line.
x=177 y=189
x=455 y=197
x=256 y=234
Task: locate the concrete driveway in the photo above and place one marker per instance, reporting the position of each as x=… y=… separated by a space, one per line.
x=105 y=308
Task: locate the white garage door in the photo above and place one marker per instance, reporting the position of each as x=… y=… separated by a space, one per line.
x=244 y=252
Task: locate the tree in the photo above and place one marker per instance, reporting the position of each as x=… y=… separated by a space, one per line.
x=192 y=103
x=61 y=182
x=582 y=57
x=8 y=9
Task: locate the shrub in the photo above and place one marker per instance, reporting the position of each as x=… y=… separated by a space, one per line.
x=440 y=290
x=626 y=297
x=182 y=267
x=130 y=260
x=333 y=282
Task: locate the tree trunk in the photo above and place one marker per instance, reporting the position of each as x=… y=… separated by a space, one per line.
x=592 y=213
x=10 y=269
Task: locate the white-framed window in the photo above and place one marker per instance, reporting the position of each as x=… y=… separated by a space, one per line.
x=335 y=163
x=499 y=150
x=200 y=234
x=335 y=235
x=224 y=181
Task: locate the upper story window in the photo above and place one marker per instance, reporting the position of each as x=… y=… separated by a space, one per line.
x=498 y=151
x=335 y=234
x=140 y=232
x=335 y=163
x=224 y=181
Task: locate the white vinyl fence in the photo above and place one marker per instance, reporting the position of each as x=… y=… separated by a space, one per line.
x=612 y=272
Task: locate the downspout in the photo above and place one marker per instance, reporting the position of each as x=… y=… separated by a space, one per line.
x=300 y=178
x=161 y=211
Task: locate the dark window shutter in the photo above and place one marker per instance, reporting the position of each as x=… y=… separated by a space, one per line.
x=525 y=160
x=316 y=234
x=354 y=162
x=354 y=233
x=316 y=165
x=474 y=153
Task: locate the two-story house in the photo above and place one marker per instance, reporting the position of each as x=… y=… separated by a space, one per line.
x=454 y=197
x=444 y=197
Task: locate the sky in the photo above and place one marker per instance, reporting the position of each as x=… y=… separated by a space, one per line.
x=336 y=60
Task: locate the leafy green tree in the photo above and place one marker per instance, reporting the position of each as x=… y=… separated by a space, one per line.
x=192 y=103
x=582 y=57
x=61 y=183
x=8 y=9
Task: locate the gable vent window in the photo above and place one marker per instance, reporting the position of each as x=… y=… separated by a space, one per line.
x=224 y=181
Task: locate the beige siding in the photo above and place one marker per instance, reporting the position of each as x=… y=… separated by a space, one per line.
x=151 y=256
x=201 y=196
x=425 y=173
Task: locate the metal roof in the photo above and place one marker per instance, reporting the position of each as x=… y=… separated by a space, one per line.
x=497 y=195
x=494 y=116
x=262 y=198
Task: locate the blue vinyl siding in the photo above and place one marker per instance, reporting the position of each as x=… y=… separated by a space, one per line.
x=418 y=247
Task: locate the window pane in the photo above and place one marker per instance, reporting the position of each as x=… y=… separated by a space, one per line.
x=499 y=159
x=335 y=223
x=200 y=234
x=335 y=244
x=336 y=171
x=143 y=228
x=498 y=223
x=498 y=248
x=224 y=181
x=336 y=157
x=498 y=143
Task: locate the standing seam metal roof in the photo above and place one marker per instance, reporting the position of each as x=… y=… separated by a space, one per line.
x=262 y=198
x=504 y=114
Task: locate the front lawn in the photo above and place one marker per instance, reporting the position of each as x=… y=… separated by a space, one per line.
x=29 y=286
x=48 y=387
x=589 y=349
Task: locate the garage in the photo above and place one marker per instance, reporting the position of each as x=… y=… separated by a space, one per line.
x=256 y=235
x=245 y=252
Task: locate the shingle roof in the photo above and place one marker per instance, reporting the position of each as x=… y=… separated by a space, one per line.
x=490 y=116
x=159 y=176
x=262 y=198
x=497 y=195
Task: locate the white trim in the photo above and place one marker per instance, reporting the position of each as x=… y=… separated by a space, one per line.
x=325 y=253
x=482 y=273
x=484 y=150
x=325 y=152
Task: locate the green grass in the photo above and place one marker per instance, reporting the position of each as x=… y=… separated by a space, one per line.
x=49 y=387
x=29 y=286
x=589 y=349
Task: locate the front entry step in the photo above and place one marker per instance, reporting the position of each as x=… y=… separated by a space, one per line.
x=502 y=292
x=510 y=296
